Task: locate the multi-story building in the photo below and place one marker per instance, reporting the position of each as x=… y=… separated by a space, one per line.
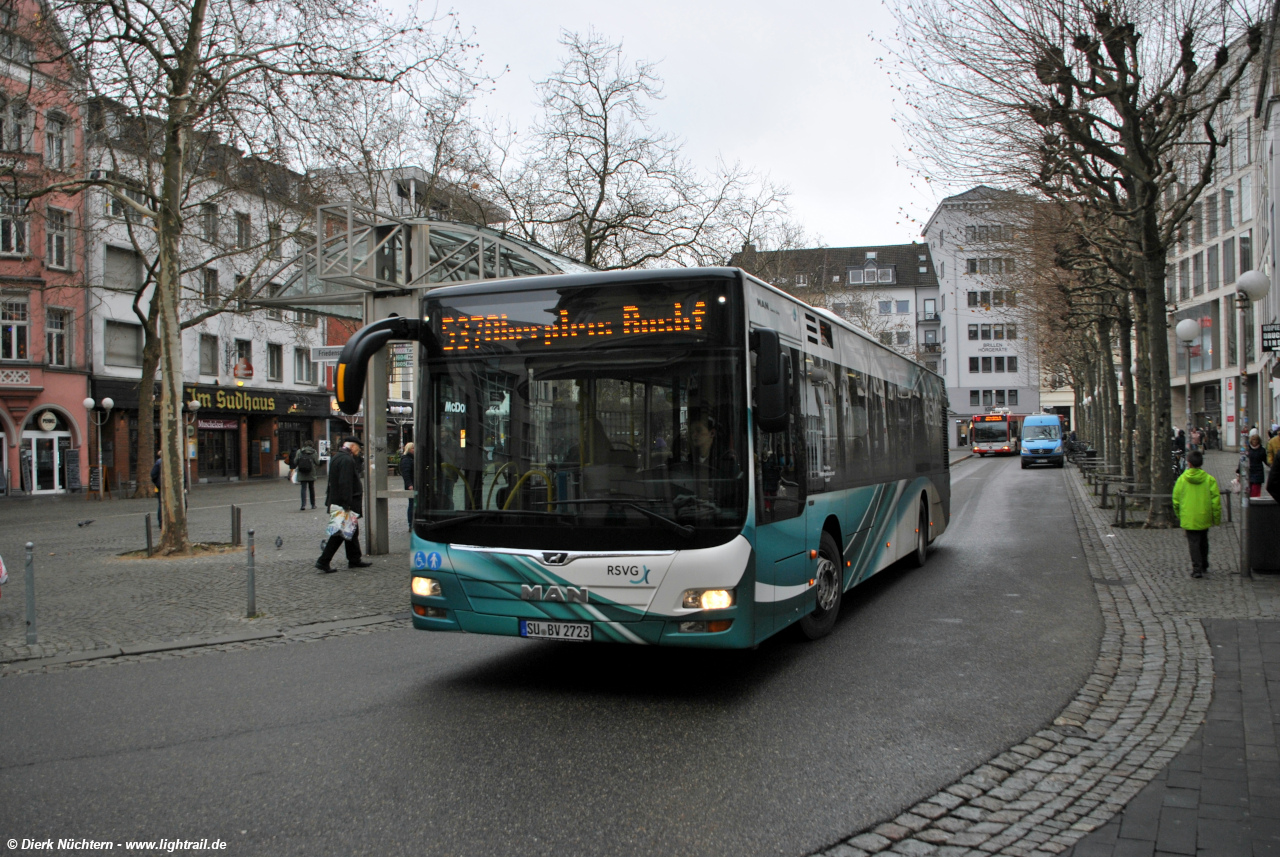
x=1229 y=231
x=987 y=355
x=43 y=310
x=890 y=291
x=261 y=395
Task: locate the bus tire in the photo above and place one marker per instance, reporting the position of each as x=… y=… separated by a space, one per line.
x=830 y=590
x=921 y=553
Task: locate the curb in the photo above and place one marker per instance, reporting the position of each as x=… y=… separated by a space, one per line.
x=294 y=632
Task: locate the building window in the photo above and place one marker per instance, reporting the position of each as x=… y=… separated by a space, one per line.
x=904 y=337
x=241 y=292
x=13 y=227
x=1228 y=209
x=973 y=299
x=274 y=237
x=244 y=359
x=275 y=362
x=304 y=371
x=57 y=238
x=999 y=361
x=1010 y=331
x=997 y=331
x=973 y=399
x=1197 y=224
x=13 y=330
x=999 y=398
x=973 y=365
x=307 y=319
x=1246 y=200
x=1197 y=274
x=885 y=275
x=971 y=266
x=1212 y=260
x=930 y=308
x=1211 y=216
x=886 y=307
x=986 y=364
x=885 y=338
x=1011 y=364
x=57 y=141
x=273 y=291
x=209 y=222
x=931 y=336
x=116 y=206
x=57 y=331
x=986 y=398
x=802 y=279
x=903 y=307
x=209 y=286
x=1013 y=398
x=122 y=344
x=973 y=331
x=208 y=354
x=997 y=298
x=244 y=231
x=986 y=331
x=855 y=277
x=14 y=47
x=1184 y=279
x=1246 y=251
x=16 y=124
x=1229 y=261
x=984 y=298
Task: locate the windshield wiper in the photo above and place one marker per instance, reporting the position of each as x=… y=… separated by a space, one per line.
x=431 y=526
x=683 y=529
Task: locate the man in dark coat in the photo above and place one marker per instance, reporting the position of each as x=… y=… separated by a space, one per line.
x=346 y=492
x=406 y=473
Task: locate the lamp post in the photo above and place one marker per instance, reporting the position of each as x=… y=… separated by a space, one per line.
x=91 y=406
x=192 y=408
x=1251 y=287
x=1188 y=331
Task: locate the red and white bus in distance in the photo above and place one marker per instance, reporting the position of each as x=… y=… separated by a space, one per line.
x=996 y=433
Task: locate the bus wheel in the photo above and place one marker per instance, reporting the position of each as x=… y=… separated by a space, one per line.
x=830 y=589
x=921 y=552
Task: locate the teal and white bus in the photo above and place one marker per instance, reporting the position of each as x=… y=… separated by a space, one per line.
x=672 y=457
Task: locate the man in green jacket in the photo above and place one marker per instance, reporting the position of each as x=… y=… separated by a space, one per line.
x=1198 y=507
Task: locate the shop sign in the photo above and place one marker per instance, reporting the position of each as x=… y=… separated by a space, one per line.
x=243 y=369
x=234 y=400
x=218 y=424
x=48 y=421
x=1271 y=337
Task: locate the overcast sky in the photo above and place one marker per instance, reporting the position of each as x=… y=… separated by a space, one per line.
x=789 y=88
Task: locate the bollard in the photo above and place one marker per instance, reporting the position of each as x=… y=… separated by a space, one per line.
x=235 y=526
x=31 y=594
x=253 y=606
x=149 y=548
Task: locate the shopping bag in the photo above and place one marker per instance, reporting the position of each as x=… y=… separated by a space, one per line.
x=293 y=476
x=336 y=517
x=349 y=525
x=4 y=574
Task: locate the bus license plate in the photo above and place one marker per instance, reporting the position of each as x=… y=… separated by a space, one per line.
x=574 y=631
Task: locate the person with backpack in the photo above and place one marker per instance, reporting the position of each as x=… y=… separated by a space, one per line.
x=1198 y=507
x=304 y=473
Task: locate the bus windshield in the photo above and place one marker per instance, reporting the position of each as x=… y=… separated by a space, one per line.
x=1049 y=432
x=580 y=417
x=993 y=432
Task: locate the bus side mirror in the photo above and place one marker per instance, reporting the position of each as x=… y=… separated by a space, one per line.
x=771 y=380
x=353 y=362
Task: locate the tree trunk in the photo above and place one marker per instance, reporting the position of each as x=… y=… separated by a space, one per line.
x=1152 y=265
x=1128 y=413
x=1110 y=393
x=147 y=402
x=1142 y=456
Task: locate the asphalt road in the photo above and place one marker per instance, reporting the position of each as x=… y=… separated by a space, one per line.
x=410 y=743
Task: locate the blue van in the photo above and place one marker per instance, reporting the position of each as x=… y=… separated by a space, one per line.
x=1042 y=441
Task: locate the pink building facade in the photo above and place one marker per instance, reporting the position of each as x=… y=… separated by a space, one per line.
x=44 y=305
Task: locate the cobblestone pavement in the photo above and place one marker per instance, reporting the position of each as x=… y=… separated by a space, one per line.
x=91 y=599
x=1146 y=700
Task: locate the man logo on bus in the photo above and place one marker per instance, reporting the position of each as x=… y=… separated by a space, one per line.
x=562 y=594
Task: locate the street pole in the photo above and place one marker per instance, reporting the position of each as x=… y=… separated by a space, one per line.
x=1252 y=286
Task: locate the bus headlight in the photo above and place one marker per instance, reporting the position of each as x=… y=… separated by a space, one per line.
x=425 y=587
x=707 y=599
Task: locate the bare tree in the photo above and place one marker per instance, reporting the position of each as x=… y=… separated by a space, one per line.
x=249 y=74
x=1091 y=103
x=593 y=180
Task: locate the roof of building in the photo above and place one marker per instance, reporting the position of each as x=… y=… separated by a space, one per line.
x=836 y=261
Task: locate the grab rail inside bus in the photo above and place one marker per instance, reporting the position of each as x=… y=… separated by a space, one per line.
x=353 y=362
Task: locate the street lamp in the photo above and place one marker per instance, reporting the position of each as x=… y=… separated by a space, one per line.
x=1251 y=287
x=90 y=405
x=1188 y=331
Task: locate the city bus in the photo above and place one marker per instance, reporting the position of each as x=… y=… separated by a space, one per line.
x=995 y=433
x=670 y=457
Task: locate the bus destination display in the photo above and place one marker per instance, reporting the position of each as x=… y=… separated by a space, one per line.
x=466 y=332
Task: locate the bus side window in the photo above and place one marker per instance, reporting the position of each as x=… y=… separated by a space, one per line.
x=780 y=487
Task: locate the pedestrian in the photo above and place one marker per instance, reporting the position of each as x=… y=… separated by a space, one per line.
x=1273 y=445
x=1180 y=442
x=155 y=480
x=1198 y=507
x=1195 y=439
x=406 y=473
x=1257 y=457
x=303 y=468
x=344 y=495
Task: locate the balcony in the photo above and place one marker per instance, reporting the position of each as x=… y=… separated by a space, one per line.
x=930 y=347
x=923 y=317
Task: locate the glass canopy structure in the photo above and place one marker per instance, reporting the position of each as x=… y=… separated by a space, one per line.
x=361 y=253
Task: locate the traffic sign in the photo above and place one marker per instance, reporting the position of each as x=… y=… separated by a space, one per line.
x=325 y=353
